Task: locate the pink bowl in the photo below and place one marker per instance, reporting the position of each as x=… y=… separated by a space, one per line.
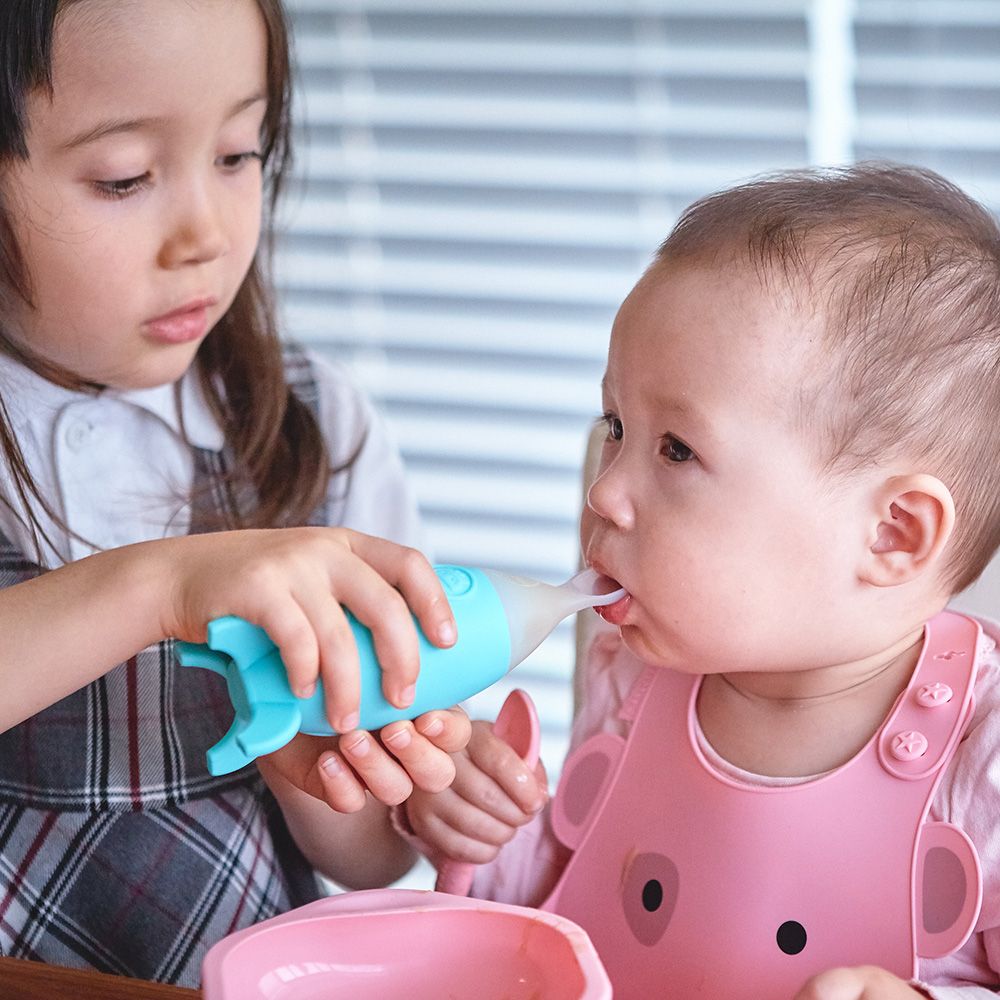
x=386 y=943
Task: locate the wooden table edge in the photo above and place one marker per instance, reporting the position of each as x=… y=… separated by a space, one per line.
x=25 y=980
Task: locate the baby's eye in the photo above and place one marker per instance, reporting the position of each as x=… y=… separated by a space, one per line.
x=675 y=450
x=615 y=429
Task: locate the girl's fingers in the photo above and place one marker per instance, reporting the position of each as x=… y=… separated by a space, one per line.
x=448 y=729
x=340 y=776
x=382 y=609
x=293 y=585
x=429 y=768
x=542 y=779
x=342 y=790
x=290 y=629
x=383 y=776
x=339 y=666
x=296 y=763
x=410 y=572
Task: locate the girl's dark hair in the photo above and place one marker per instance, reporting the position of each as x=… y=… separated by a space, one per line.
x=278 y=449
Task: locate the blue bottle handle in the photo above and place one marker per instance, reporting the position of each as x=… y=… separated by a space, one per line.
x=268 y=714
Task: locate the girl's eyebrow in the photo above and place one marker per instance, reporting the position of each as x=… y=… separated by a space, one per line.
x=115 y=126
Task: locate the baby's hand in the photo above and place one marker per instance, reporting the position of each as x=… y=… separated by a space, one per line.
x=494 y=793
x=389 y=764
x=865 y=982
x=292 y=582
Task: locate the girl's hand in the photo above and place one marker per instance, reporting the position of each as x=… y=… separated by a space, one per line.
x=340 y=769
x=865 y=982
x=292 y=582
x=492 y=795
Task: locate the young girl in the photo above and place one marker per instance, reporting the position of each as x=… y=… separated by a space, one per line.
x=799 y=472
x=147 y=396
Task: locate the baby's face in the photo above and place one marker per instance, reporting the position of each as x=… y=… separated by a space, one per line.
x=710 y=506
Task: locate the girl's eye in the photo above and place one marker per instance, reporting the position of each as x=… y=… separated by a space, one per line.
x=615 y=429
x=675 y=450
x=122 y=188
x=234 y=161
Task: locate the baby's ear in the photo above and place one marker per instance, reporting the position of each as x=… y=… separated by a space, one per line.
x=913 y=520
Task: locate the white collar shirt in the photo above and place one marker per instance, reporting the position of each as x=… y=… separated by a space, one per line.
x=116 y=468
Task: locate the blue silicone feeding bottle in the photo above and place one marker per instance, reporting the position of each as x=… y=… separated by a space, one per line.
x=500 y=619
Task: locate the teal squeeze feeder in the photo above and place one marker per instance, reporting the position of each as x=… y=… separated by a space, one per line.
x=500 y=619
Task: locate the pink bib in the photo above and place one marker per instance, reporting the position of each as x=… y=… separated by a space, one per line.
x=692 y=884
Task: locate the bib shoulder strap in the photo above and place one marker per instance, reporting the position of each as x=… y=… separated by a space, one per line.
x=931 y=715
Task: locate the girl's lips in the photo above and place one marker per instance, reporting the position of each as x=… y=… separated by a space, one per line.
x=181 y=326
x=616 y=613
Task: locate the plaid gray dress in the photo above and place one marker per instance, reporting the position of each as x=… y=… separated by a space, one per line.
x=118 y=851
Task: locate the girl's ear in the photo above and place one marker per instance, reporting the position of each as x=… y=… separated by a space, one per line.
x=915 y=516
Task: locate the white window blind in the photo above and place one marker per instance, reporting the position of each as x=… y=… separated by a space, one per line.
x=928 y=88
x=480 y=183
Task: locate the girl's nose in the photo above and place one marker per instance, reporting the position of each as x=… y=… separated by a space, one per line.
x=197 y=234
x=610 y=497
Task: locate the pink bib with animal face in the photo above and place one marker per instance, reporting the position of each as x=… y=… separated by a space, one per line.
x=692 y=884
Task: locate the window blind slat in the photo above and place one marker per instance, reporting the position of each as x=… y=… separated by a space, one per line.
x=724 y=10
x=499 y=112
x=416 y=275
x=663 y=175
x=664 y=60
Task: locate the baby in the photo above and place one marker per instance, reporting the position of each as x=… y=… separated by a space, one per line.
x=802 y=402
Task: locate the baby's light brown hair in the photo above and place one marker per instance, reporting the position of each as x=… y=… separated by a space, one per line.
x=903 y=270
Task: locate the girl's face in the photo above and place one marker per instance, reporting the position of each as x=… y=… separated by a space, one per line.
x=138 y=209
x=710 y=506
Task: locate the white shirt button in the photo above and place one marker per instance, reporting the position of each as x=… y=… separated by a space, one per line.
x=78 y=434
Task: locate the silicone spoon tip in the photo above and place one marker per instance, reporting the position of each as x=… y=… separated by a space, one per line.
x=598 y=589
x=533 y=609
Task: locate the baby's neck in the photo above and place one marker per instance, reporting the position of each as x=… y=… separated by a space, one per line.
x=794 y=724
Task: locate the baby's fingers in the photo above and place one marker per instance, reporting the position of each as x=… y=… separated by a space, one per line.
x=456 y=842
x=866 y=982
x=498 y=762
x=471 y=823
x=483 y=792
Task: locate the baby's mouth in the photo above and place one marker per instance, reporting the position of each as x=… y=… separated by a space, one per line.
x=606 y=584
x=613 y=613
